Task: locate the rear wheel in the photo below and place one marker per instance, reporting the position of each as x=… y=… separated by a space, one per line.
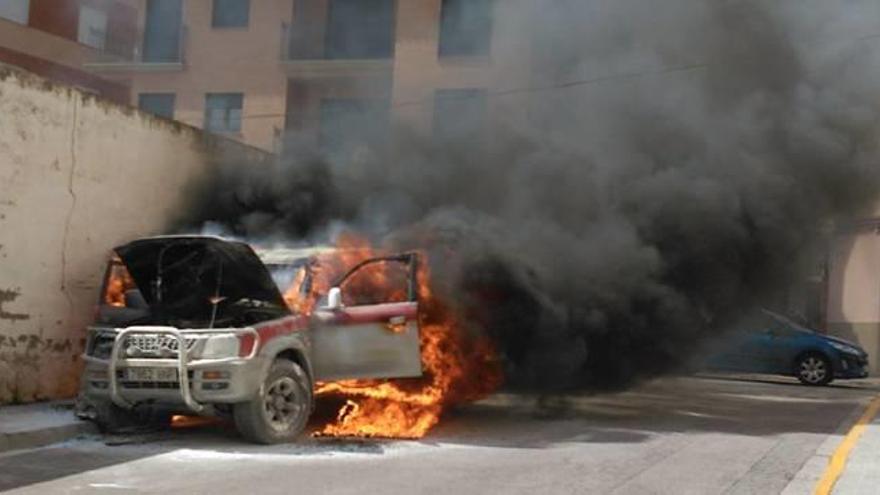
x=814 y=369
x=280 y=410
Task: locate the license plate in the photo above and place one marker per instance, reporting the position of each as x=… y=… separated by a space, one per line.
x=151 y=374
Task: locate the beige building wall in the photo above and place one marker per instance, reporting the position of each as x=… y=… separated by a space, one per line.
x=44 y=45
x=78 y=175
x=221 y=60
x=249 y=60
x=54 y=57
x=419 y=71
x=854 y=289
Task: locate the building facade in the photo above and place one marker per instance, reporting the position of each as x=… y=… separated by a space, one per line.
x=324 y=70
x=58 y=38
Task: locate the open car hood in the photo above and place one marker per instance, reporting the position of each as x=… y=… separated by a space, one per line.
x=180 y=276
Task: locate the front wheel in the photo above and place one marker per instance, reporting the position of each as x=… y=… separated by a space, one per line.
x=280 y=410
x=814 y=369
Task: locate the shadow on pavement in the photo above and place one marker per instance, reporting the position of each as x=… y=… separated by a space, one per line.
x=752 y=405
x=36 y=466
x=740 y=405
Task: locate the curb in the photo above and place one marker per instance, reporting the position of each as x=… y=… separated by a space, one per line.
x=806 y=479
x=31 y=436
x=32 y=439
x=838 y=461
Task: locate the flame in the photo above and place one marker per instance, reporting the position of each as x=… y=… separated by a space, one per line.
x=293 y=298
x=118 y=282
x=456 y=367
x=181 y=421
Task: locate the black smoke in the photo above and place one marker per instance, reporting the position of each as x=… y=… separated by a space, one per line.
x=648 y=172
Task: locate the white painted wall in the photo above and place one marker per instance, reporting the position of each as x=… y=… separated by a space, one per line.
x=78 y=175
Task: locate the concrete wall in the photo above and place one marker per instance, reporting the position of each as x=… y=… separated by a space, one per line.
x=78 y=175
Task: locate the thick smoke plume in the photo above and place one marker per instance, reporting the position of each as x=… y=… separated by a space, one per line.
x=647 y=172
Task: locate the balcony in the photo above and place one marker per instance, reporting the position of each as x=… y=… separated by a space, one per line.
x=134 y=54
x=306 y=51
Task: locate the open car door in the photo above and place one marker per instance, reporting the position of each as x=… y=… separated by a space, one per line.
x=369 y=327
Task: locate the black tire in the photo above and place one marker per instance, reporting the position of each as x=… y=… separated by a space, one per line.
x=280 y=410
x=813 y=369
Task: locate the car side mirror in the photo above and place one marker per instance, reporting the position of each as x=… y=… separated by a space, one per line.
x=334 y=299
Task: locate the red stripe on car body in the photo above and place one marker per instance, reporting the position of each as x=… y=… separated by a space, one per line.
x=376 y=313
x=271 y=329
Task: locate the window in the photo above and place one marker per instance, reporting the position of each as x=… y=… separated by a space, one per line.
x=460 y=114
x=465 y=27
x=231 y=13
x=92 y=27
x=223 y=112
x=348 y=126
x=161 y=104
x=163 y=31
x=360 y=29
x=377 y=282
x=15 y=10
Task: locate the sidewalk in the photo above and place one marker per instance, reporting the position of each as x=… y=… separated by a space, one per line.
x=34 y=425
x=862 y=472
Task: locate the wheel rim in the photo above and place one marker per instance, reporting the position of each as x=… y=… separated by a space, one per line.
x=282 y=404
x=813 y=370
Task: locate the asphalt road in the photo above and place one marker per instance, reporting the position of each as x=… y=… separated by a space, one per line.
x=675 y=435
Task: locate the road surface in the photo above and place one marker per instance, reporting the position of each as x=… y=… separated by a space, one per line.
x=674 y=435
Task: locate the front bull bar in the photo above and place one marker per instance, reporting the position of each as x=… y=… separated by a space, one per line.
x=182 y=362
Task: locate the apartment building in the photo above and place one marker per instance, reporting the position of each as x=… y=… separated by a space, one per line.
x=57 y=38
x=333 y=71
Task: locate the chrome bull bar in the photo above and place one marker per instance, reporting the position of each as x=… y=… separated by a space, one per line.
x=182 y=362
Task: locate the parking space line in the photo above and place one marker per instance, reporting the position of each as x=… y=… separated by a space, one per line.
x=839 y=458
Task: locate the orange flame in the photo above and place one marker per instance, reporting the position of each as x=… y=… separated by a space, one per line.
x=457 y=367
x=118 y=282
x=180 y=421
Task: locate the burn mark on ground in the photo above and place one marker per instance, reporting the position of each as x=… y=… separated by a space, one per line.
x=9 y=296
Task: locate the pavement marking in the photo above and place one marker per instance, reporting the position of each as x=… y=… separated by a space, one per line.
x=838 y=459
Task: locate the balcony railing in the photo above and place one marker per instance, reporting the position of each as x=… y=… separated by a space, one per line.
x=304 y=53
x=133 y=54
x=301 y=43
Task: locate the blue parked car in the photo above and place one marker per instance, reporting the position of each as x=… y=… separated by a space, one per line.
x=776 y=345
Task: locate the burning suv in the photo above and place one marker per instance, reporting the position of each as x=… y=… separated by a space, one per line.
x=195 y=324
